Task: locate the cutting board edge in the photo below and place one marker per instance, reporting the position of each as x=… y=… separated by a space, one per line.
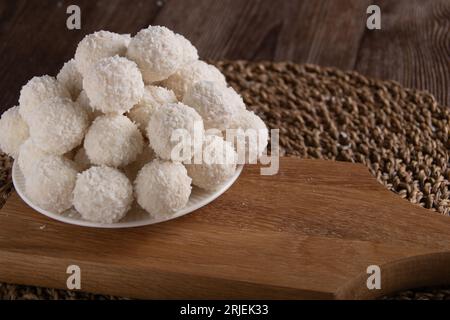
x=15 y=267
x=419 y=271
x=361 y=173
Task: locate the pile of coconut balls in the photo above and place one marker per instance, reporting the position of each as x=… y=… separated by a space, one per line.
x=99 y=135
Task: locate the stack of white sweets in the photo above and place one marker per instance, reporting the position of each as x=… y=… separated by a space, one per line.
x=100 y=134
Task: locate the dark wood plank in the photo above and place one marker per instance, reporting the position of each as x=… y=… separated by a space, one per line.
x=412 y=47
x=322 y=32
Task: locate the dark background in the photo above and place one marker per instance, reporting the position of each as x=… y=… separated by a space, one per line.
x=413 y=46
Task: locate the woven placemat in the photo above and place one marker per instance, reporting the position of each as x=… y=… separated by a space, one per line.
x=401 y=135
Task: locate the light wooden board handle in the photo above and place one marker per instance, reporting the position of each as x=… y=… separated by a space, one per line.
x=310 y=231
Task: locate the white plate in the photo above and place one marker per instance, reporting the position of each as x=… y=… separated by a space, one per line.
x=136 y=217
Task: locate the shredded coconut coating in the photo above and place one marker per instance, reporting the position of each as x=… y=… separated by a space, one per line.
x=37 y=91
x=51 y=184
x=189 y=52
x=114 y=85
x=113 y=140
x=58 y=126
x=218 y=163
x=190 y=74
x=165 y=121
x=13 y=132
x=81 y=160
x=99 y=45
x=117 y=90
x=102 y=194
x=71 y=79
x=253 y=149
x=146 y=156
x=162 y=187
x=84 y=102
x=217 y=104
x=29 y=154
x=157 y=51
x=153 y=97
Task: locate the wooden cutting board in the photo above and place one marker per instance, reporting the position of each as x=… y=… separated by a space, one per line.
x=310 y=231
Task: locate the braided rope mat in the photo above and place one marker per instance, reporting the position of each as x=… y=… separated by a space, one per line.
x=401 y=135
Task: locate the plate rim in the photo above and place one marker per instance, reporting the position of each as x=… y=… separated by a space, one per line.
x=118 y=225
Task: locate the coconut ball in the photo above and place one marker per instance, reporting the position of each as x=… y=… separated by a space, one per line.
x=84 y=102
x=166 y=122
x=157 y=51
x=29 y=154
x=217 y=104
x=152 y=98
x=217 y=163
x=14 y=132
x=52 y=182
x=37 y=91
x=189 y=52
x=70 y=78
x=146 y=156
x=102 y=194
x=113 y=140
x=191 y=73
x=162 y=187
x=58 y=126
x=81 y=159
x=114 y=85
x=253 y=135
x=99 y=45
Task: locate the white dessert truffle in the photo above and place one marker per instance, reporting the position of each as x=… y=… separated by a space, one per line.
x=153 y=97
x=189 y=52
x=99 y=45
x=146 y=156
x=13 y=132
x=113 y=140
x=29 y=154
x=217 y=163
x=84 y=102
x=37 y=91
x=169 y=121
x=70 y=78
x=191 y=73
x=87 y=101
x=114 y=85
x=217 y=104
x=253 y=135
x=162 y=187
x=81 y=159
x=102 y=194
x=51 y=184
x=157 y=51
x=58 y=126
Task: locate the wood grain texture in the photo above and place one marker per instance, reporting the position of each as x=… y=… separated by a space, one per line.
x=412 y=47
x=308 y=232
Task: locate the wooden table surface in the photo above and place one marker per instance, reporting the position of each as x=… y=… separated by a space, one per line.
x=412 y=47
